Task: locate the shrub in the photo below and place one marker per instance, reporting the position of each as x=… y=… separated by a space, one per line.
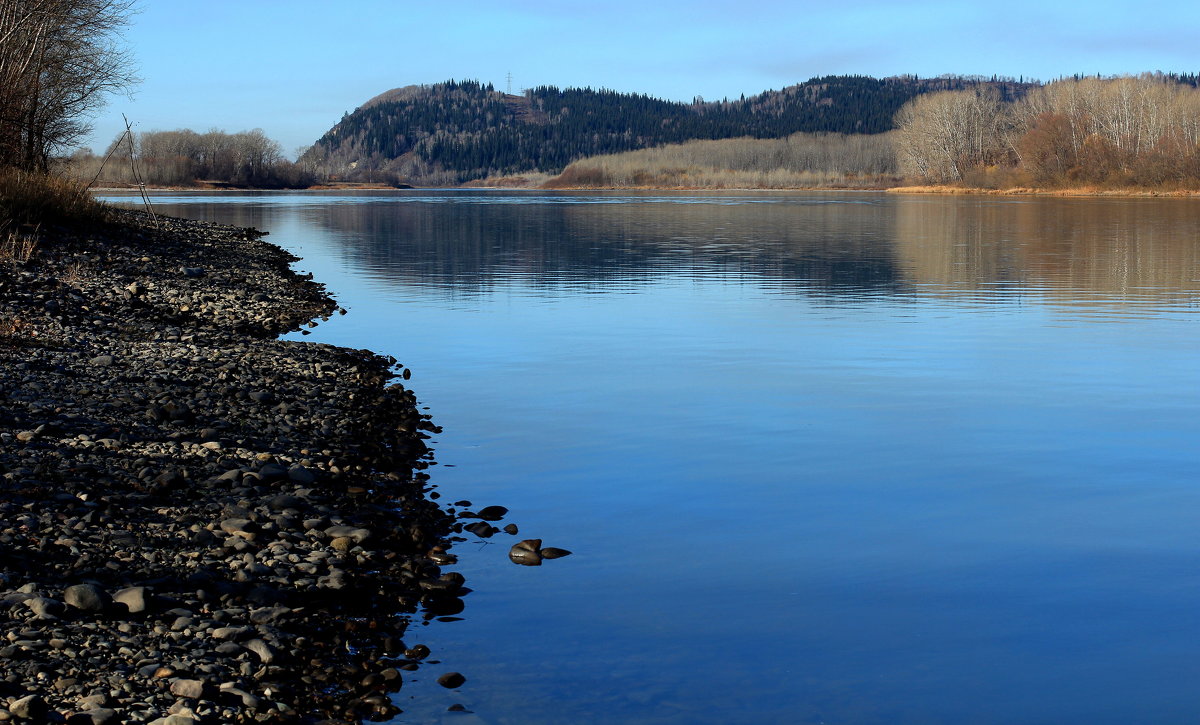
x=32 y=198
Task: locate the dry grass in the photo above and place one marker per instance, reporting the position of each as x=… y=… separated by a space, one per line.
x=694 y=177
x=1033 y=191
x=15 y=332
x=32 y=198
x=800 y=161
x=74 y=274
x=527 y=180
x=16 y=247
x=950 y=189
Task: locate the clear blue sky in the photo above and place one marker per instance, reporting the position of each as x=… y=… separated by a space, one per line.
x=292 y=67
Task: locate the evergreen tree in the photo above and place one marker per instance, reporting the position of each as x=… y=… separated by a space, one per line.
x=460 y=130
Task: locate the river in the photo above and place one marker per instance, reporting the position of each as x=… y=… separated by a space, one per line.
x=820 y=457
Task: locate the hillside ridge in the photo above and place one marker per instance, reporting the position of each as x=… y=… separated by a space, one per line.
x=459 y=131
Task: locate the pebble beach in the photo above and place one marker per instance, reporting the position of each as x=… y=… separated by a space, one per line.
x=201 y=522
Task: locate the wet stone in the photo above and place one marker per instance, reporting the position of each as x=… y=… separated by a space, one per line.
x=492 y=513
x=481 y=529
x=526 y=553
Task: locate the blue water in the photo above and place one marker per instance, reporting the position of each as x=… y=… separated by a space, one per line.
x=822 y=458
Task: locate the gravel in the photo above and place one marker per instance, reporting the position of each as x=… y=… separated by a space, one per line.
x=199 y=522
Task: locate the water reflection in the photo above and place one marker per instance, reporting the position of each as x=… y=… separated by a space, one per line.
x=1132 y=249
x=817 y=247
x=832 y=245
x=822 y=458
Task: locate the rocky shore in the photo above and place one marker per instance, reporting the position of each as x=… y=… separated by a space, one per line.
x=200 y=523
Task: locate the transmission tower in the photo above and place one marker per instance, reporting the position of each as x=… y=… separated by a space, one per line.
x=508 y=88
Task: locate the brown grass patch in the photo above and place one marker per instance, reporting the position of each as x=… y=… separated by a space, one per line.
x=35 y=198
x=15 y=333
x=530 y=180
x=800 y=161
x=1032 y=191
x=16 y=247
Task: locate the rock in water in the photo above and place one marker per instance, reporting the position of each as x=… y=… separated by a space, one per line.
x=492 y=513
x=526 y=553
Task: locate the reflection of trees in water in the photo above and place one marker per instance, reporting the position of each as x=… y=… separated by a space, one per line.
x=1118 y=247
x=1115 y=247
x=811 y=246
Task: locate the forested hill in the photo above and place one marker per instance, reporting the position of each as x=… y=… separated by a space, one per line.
x=457 y=131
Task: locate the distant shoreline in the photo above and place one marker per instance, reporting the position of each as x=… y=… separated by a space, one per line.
x=944 y=190
x=1025 y=191
x=218 y=187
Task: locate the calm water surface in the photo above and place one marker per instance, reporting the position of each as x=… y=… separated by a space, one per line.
x=836 y=458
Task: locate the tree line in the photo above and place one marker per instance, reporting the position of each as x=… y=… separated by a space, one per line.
x=462 y=130
x=185 y=157
x=1141 y=131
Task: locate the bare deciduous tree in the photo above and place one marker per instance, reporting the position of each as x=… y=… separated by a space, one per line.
x=1132 y=130
x=59 y=60
x=940 y=135
x=183 y=157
